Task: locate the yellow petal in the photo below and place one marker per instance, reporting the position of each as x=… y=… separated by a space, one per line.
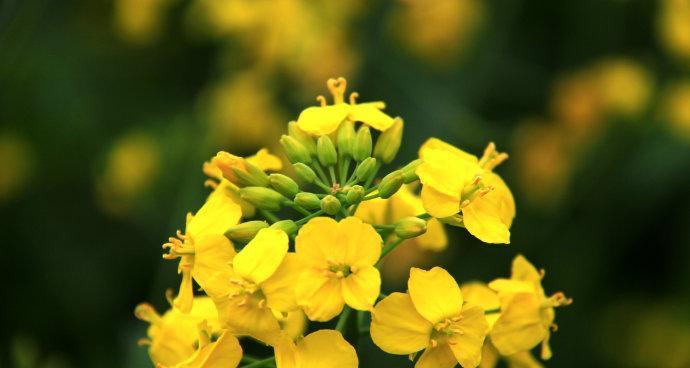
x=361 y=242
x=361 y=288
x=370 y=114
x=205 y=310
x=185 y=295
x=322 y=120
x=520 y=326
x=501 y=197
x=523 y=270
x=523 y=359
x=326 y=349
x=489 y=356
x=266 y=161
x=279 y=289
x=214 y=217
x=247 y=319
x=508 y=286
x=467 y=346
x=481 y=295
x=446 y=173
x=397 y=327
x=435 y=294
x=482 y=219
x=438 y=204
x=285 y=352
x=438 y=357
x=320 y=296
x=261 y=257
x=294 y=324
x=212 y=258
x=314 y=243
x=437 y=144
x=224 y=352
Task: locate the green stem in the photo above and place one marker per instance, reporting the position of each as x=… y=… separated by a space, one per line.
x=344 y=164
x=383 y=227
x=319 y=171
x=322 y=185
x=362 y=326
x=331 y=170
x=304 y=220
x=268 y=215
x=342 y=321
x=249 y=359
x=377 y=167
x=492 y=311
x=424 y=216
x=297 y=208
x=370 y=197
x=268 y=362
x=389 y=247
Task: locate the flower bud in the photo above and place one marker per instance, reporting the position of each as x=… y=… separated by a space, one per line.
x=295 y=151
x=346 y=138
x=355 y=194
x=304 y=173
x=308 y=200
x=288 y=226
x=283 y=185
x=390 y=184
x=303 y=137
x=388 y=144
x=362 y=146
x=226 y=162
x=245 y=231
x=262 y=198
x=325 y=150
x=410 y=227
x=250 y=175
x=410 y=171
x=330 y=204
x=365 y=169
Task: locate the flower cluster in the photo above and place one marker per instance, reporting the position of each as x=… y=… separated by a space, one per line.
x=264 y=276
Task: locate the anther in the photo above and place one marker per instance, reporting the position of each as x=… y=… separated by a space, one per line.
x=353 y=98
x=554 y=327
x=180 y=235
x=321 y=100
x=210 y=183
x=476 y=180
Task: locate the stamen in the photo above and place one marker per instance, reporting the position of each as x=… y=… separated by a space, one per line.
x=180 y=235
x=353 y=98
x=144 y=342
x=147 y=313
x=337 y=88
x=262 y=303
x=476 y=180
x=210 y=183
x=465 y=203
x=321 y=100
x=542 y=273
x=554 y=327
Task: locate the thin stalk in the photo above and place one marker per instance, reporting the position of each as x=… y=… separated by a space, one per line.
x=331 y=170
x=268 y=215
x=304 y=220
x=319 y=171
x=492 y=311
x=322 y=185
x=297 y=208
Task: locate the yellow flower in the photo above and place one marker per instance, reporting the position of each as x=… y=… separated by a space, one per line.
x=203 y=237
x=403 y=204
x=675 y=108
x=173 y=337
x=339 y=258
x=454 y=181
x=527 y=314
x=319 y=349
x=325 y=119
x=431 y=316
x=674 y=27
x=523 y=359
x=255 y=288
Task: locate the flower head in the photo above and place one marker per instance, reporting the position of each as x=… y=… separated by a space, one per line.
x=339 y=259
x=432 y=316
x=325 y=119
x=457 y=183
x=319 y=349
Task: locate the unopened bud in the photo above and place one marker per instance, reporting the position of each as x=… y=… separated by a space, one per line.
x=245 y=231
x=304 y=173
x=410 y=171
x=308 y=200
x=262 y=198
x=388 y=144
x=303 y=137
x=355 y=194
x=410 y=227
x=283 y=185
x=250 y=175
x=390 y=184
x=325 y=150
x=330 y=204
x=365 y=169
x=288 y=226
x=295 y=151
x=362 y=146
x=346 y=138
x=226 y=162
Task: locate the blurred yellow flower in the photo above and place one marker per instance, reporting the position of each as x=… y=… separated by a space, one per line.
x=431 y=316
x=201 y=248
x=17 y=159
x=319 y=349
x=339 y=258
x=676 y=108
x=674 y=27
x=527 y=314
x=141 y=21
x=454 y=181
x=625 y=86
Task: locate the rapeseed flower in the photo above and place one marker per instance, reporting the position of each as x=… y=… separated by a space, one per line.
x=432 y=316
x=319 y=349
x=339 y=259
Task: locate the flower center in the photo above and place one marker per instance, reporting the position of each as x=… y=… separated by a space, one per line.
x=339 y=270
x=445 y=329
x=247 y=293
x=179 y=246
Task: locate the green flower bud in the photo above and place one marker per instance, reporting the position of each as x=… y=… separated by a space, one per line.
x=250 y=176
x=308 y=200
x=365 y=169
x=288 y=226
x=295 y=151
x=304 y=173
x=355 y=194
x=245 y=231
x=410 y=171
x=325 y=150
x=346 y=138
x=303 y=137
x=262 y=198
x=283 y=185
x=388 y=144
x=330 y=204
x=410 y=227
x=390 y=184
x=362 y=146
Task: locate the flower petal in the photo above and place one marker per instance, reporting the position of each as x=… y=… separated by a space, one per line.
x=397 y=327
x=279 y=289
x=326 y=349
x=437 y=144
x=523 y=270
x=361 y=288
x=435 y=294
x=467 y=346
x=370 y=114
x=266 y=161
x=446 y=173
x=247 y=318
x=224 y=352
x=501 y=197
x=314 y=243
x=320 y=296
x=482 y=219
x=438 y=357
x=261 y=257
x=438 y=204
x=214 y=217
x=435 y=238
x=285 y=352
x=361 y=242
x=213 y=255
x=520 y=326
x=322 y=120
x=481 y=295
x=185 y=295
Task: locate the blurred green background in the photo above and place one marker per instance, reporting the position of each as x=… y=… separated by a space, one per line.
x=108 y=109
